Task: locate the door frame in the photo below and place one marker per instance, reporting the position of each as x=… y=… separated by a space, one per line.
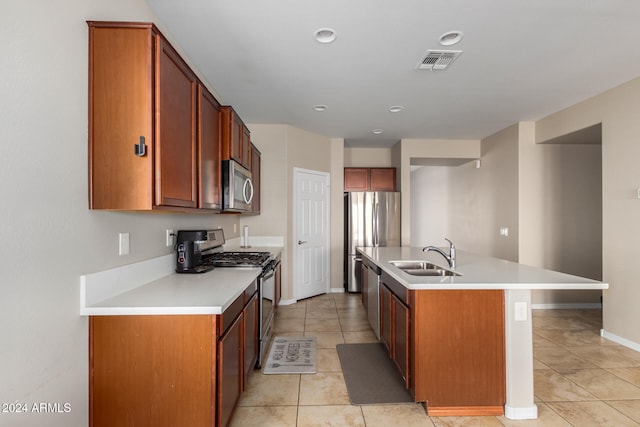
x=294 y=234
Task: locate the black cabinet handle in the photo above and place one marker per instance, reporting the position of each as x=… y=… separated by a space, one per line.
x=140 y=149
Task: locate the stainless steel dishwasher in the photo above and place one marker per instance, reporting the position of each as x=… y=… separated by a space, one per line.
x=373 y=295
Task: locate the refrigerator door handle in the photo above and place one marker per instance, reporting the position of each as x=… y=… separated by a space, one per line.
x=375 y=222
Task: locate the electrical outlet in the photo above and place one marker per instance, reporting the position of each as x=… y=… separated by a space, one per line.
x=520 y=312
x=123 y=243
x=169 y=238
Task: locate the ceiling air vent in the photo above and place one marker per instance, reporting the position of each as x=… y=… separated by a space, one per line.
x=438 y=59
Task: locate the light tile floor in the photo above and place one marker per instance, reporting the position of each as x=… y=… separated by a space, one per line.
x=580 y=378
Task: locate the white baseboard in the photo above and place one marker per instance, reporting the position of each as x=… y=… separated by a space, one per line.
x=521 y=413
x=622 y=341
x=288 y=301
x=567 y=306
x=337 y=291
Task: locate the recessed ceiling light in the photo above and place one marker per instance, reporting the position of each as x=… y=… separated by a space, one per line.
x=396 y=108
x=325 y=35
x=320 y=108
x=450 y=38
x=377 y=131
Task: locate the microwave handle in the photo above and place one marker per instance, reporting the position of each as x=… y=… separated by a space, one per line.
x=249 y=184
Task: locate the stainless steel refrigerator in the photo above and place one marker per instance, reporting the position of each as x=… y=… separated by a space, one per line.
x=372 y=218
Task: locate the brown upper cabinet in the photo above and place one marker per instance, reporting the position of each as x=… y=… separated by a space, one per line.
x=255 y=179
x=145 y=126
x=236 y=139
x=210 y=196
x=369 y=179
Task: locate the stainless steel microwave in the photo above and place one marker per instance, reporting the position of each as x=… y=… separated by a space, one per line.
x=237 y=188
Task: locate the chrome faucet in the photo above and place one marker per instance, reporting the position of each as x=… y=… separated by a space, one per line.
x=451 y=257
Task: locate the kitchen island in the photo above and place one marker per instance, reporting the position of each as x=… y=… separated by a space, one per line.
x=465 y=340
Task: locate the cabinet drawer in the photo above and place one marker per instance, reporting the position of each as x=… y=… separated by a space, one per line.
x=252 y=289
x=230 y=314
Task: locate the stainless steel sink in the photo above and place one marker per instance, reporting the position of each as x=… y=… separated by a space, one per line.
x=423 y=268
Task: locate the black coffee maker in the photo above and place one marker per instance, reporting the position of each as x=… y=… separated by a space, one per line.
x=192 y=246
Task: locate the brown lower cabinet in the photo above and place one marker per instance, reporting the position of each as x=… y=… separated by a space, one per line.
x=171 y=370
x=448 y=345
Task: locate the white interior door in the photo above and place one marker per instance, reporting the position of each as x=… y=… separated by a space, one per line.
x=311 y=205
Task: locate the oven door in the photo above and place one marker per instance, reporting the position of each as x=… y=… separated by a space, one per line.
x=266 y=310
x=237 y=187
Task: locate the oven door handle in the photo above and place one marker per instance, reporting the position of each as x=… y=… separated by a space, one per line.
x=271 y=272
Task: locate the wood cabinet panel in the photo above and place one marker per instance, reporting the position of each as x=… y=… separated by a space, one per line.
x=230 y=368
x=144 y=124
x=256 y=171
x=250 y=337
x=369 y=179
x=120 y=115
x=176 y=180
x=166 y=359
x=236 y=138
x=382 y=179
x=461 y=365
x=400 y=323
x=356 y=179
x=209 y=175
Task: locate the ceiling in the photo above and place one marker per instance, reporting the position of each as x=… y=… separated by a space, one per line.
x=521 y=61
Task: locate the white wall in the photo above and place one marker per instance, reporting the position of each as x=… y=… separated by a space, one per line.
x=49 y=236
x=283 y=148
x=618 y=110
x=367 y=157
x=430 y=193
x=469 y=204
x=547 y=195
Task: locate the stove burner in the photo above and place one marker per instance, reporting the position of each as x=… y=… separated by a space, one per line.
x=239 y=259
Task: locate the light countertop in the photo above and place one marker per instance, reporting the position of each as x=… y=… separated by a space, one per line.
x=205 y=293
x=477 y=272
x=152 y=287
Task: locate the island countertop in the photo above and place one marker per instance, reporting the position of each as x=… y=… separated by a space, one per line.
x=476 y=271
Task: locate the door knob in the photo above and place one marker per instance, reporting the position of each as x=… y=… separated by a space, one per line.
x=300 y=242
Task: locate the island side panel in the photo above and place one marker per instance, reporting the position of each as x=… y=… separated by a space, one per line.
x=152 y=370
x=459 y=351
x=519 y=357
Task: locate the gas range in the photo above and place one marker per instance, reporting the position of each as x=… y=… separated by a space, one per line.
x=199 y=251
x=239 y=259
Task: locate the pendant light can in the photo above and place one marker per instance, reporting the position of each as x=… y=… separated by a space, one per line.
x=450 y=38
x=325 y=35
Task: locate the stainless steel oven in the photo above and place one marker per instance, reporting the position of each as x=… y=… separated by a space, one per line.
x=266 y=308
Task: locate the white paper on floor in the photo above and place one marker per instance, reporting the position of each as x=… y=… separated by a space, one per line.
x=292 y=355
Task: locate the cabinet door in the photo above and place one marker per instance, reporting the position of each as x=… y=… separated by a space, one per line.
x=356 y=179
x=246 y=148
x=250 y=337
x=120 y=115
x=400 y=334
x=175 y=157
x=209 y=159
x=152 y=370
x=232 y=133
x=382 y=179
x=230 y=370
x=385 y=317
x=255 y=179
